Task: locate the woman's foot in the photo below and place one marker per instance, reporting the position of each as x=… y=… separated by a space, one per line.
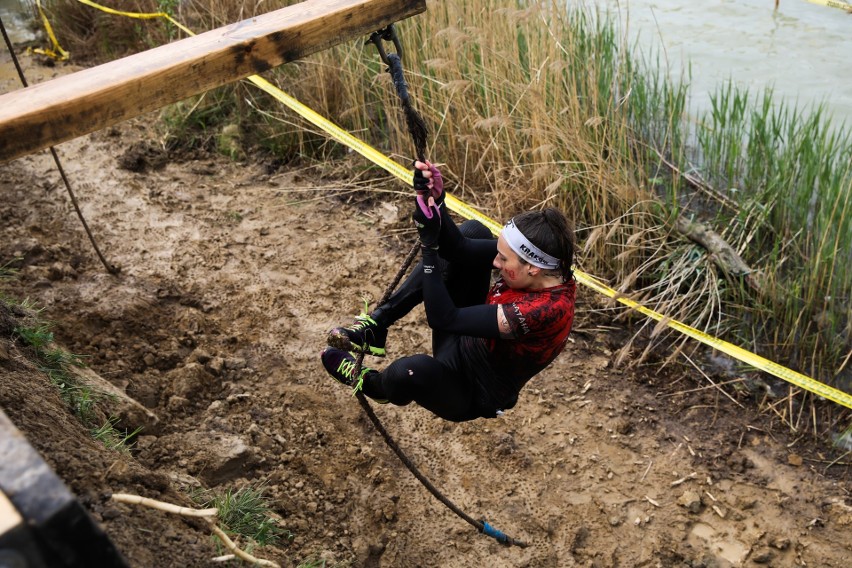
x=340 y=365
x=363 y=336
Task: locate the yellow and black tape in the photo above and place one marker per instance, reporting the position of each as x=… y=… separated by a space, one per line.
x=405 y=175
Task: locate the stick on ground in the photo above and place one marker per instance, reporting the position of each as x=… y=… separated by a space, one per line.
x=206 y=514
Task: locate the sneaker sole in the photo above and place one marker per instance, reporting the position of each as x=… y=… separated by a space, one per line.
x=341 y=341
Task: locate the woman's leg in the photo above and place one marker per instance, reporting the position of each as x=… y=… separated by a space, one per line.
x=423 y=380
x=467 y=287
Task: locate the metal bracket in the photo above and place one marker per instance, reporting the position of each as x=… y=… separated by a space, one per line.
x=386 y=34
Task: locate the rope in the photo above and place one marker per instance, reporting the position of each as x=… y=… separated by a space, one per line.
x=109 y=267
x=417 y=129
x=481 y=526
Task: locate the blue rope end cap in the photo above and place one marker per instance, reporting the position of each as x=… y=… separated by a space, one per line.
x=494 y=533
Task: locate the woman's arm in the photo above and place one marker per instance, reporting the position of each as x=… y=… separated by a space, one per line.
x=483 y=320
x=455 y=247
x=437 y=231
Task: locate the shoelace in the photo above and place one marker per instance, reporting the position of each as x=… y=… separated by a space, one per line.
x=346 y=368
x=363 y=319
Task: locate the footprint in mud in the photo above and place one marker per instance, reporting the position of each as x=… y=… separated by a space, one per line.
x=141 y=157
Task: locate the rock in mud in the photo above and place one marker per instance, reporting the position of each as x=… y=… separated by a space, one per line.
x=762 y=557
x=691 y=501
x=225 y=457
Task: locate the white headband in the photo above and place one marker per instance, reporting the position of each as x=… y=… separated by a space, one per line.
x=526 y=250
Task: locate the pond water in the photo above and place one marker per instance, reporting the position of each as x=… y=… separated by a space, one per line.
x=16 y=15
x=802 y=50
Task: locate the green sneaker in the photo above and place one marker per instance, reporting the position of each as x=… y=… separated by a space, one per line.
x=340 y=365
x=363 y=336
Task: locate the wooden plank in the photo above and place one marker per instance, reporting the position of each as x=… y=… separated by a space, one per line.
x=9 y=517
x=17 y=545
x=73 y=105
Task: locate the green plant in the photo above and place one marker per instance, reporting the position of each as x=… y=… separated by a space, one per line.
x=56 y=364
x=38 y=335
x=169 y=7
x=193 y=123
x=113 y=438
x=234 y=216
x=245 y=512
x=7 y=271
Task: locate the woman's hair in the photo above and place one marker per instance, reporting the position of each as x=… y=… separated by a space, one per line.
x=553 y=233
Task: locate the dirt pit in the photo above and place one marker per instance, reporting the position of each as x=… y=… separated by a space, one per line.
x=231 y=273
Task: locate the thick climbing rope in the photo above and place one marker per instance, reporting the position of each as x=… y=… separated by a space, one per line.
x=418 y=131
x=481 y=526
x=112 y=269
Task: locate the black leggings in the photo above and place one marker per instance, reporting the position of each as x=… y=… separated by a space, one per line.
x=436 y=383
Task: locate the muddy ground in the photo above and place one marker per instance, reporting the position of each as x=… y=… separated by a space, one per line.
x=230 y=275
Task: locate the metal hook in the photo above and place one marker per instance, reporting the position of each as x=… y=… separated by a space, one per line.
x=386 y=34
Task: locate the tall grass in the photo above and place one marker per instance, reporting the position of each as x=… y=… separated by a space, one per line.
x=789 y=169
x=539 y=103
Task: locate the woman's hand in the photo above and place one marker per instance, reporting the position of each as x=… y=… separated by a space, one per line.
x=427 y=219
x=428 y=182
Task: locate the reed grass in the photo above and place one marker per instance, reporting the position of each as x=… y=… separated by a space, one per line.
x=539 y=103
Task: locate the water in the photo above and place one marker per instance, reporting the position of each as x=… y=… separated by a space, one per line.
x=16 y=15
x=802 y=50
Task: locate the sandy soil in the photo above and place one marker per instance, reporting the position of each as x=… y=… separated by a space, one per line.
x=230 y=276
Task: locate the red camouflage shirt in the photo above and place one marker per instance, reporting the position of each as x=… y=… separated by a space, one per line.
x=540 y=321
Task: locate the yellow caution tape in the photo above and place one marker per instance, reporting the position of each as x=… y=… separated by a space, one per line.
x=405 y=175
x=56 y=51
x=833 y=4
x=137 y=15
x=789 y=375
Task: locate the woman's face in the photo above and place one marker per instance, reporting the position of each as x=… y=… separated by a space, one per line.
x=514 y=272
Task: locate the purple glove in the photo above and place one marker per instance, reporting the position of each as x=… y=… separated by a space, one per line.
x=437 y=189
x=432 y=186
x=424 y=208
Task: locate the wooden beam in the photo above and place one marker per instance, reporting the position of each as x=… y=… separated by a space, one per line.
x=73 y=105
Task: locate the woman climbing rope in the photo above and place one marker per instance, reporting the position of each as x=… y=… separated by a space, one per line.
x=486 y=343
